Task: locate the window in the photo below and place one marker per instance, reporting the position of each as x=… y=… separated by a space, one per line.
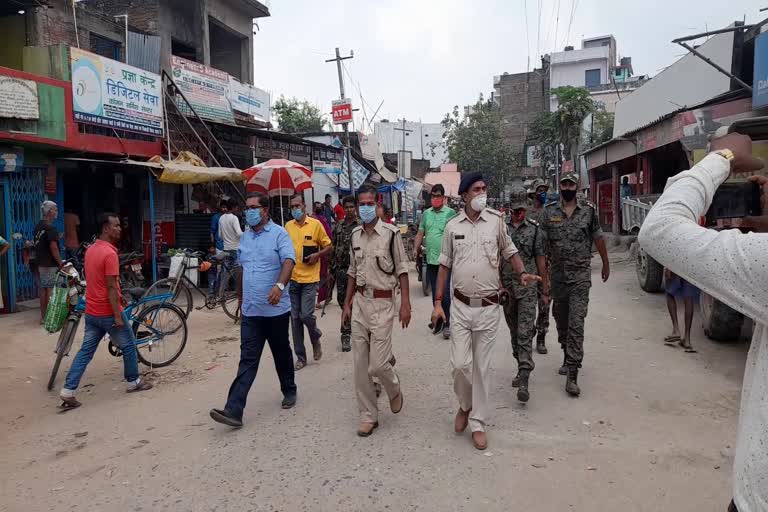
x=106 y=47
x=592 y=77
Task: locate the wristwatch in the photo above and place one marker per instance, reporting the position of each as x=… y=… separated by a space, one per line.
x=727 y=154
x=280 y=286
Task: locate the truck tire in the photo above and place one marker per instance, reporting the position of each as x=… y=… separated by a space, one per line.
x=649 y=272
x=720 y=322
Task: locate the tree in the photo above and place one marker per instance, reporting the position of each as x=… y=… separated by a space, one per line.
x=564 y=125
x=294 y=116
x=602 y=127
x=475 y=143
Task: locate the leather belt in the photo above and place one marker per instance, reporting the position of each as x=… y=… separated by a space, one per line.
x=375 y=294
x=491 y=300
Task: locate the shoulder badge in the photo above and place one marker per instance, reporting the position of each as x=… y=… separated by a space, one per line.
x=533 y=222
x=590 y=204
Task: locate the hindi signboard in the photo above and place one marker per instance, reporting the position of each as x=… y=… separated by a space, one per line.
x=18 y=98
x=109 y=93
x=249 y=100
x=342 y=111
x=206 y=89
x=359 y=175
x=326 y=161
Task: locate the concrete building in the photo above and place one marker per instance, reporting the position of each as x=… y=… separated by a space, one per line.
x=522 y=97
x=595 y=67
x=421 y=139
x=216 y=33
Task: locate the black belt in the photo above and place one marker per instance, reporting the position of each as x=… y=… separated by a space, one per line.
x=491 y=300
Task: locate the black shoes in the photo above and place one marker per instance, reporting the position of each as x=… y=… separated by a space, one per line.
x=224 y=417
x=571 y=386
x=288 y=402
x=541 y=347
x=522 y=391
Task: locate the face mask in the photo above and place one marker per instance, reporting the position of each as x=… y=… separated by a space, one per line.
x=479 y=202
x=297 y=213
x=568 y=195
x=542 y=197
x=437 y=202
x=367 y=214
x=253 y=217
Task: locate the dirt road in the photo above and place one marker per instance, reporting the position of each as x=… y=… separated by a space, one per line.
x=653 y=429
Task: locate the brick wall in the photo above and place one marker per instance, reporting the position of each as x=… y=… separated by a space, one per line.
x=523 y=97
x=142 y=14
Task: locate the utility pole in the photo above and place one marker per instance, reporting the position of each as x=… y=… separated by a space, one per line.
x=347 y=151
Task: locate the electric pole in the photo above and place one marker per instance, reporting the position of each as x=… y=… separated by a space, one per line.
x=347 y=151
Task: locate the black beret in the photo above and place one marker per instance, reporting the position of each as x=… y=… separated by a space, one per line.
x=468 y=180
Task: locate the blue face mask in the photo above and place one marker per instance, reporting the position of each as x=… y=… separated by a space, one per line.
x=253 y=217
x=367 y=214
x=297 y=213
x=543 y=197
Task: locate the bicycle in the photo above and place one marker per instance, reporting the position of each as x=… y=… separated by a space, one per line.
x=180 y=287
x=158 y=329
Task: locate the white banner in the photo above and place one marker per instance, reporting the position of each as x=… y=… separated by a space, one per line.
x=359 y=174
x=19 y=98
x=249 y=100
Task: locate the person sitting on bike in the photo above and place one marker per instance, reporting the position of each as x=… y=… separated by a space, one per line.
x=103 y=313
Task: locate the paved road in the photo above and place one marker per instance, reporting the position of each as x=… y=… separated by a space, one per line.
x=653 y=429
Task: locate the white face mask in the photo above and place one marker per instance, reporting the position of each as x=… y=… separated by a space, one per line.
x=478 y=202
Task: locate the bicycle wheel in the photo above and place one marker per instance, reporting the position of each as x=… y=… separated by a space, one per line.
x=63 y=345
x=229 y=282
x=161 y=334
x=182 y=298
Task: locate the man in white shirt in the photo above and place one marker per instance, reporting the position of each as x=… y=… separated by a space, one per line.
x=230 y=231
x=730 y=266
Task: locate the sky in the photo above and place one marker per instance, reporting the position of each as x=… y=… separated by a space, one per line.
x=422 y=57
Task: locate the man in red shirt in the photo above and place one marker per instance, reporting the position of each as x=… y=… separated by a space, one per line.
x=338 y=210
x=103 y=313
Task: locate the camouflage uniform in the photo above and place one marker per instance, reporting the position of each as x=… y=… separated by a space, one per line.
x=542 y=319
x=520 y=310
x=339 y=264
x=569 y=249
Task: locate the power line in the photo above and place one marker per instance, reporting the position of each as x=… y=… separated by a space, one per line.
x=557 y=23
x=574 y=6
x=538 y=33
x=527 y=38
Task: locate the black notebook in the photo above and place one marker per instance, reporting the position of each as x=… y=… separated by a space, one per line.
x=308 y=250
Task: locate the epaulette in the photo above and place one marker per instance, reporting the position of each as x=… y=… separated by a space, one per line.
x=535 y=223
x=494 y=212
x=357 y=228
x=390 y=227
x=590 y=204
x=551 y=203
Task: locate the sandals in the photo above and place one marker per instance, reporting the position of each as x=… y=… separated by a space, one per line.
x=69 y=403
x=671 y=339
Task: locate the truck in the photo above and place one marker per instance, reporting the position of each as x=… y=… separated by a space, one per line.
x=720 y=322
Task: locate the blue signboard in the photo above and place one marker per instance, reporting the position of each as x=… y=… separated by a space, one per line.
x=760 y=87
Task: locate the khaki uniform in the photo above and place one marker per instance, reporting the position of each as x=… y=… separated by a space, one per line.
x=375 y=268
x=520 y=310
x=473 y=252
x=569 y=249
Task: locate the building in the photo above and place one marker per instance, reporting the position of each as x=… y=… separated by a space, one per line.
x=522 y=97
x=423 y=140
x=60 y=139
x=664 y=126
x=595 y=67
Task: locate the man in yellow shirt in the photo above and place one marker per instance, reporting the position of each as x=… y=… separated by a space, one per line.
x=311 y=242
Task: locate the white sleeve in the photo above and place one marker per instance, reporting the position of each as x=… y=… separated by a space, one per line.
x=728 y=265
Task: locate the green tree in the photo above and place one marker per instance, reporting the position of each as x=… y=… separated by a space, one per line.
x=564 y=125
x=474 y=142
x=602 y=127
x=295 y=116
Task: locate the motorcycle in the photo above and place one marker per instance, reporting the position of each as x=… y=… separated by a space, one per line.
x=421 y=271
x=131 y=274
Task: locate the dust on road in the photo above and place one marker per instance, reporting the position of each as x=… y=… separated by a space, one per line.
x=653 y=429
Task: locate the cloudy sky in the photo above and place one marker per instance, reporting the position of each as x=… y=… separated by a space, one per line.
x=421 y=57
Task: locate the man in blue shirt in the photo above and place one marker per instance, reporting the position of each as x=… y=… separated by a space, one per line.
x=217 y=243
x=267 y=258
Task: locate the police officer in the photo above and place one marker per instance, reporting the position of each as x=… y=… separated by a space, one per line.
x=520 y=307
x=339 y=260
x=538 y=195
x=570 y=227
x=377 y=267
x=473 y=242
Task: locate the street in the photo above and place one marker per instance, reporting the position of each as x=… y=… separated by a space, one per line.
x=654 y=428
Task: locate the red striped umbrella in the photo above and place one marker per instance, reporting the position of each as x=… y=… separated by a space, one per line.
x=278 y=177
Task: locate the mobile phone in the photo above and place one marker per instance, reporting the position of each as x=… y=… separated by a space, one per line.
x=735 y=200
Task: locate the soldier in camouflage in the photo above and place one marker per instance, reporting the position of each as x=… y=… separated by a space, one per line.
x=520 y=309
x=538 y=195
x=570 y=227
x=339 y=260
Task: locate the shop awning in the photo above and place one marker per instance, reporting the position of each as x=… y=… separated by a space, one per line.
x=187 y=174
